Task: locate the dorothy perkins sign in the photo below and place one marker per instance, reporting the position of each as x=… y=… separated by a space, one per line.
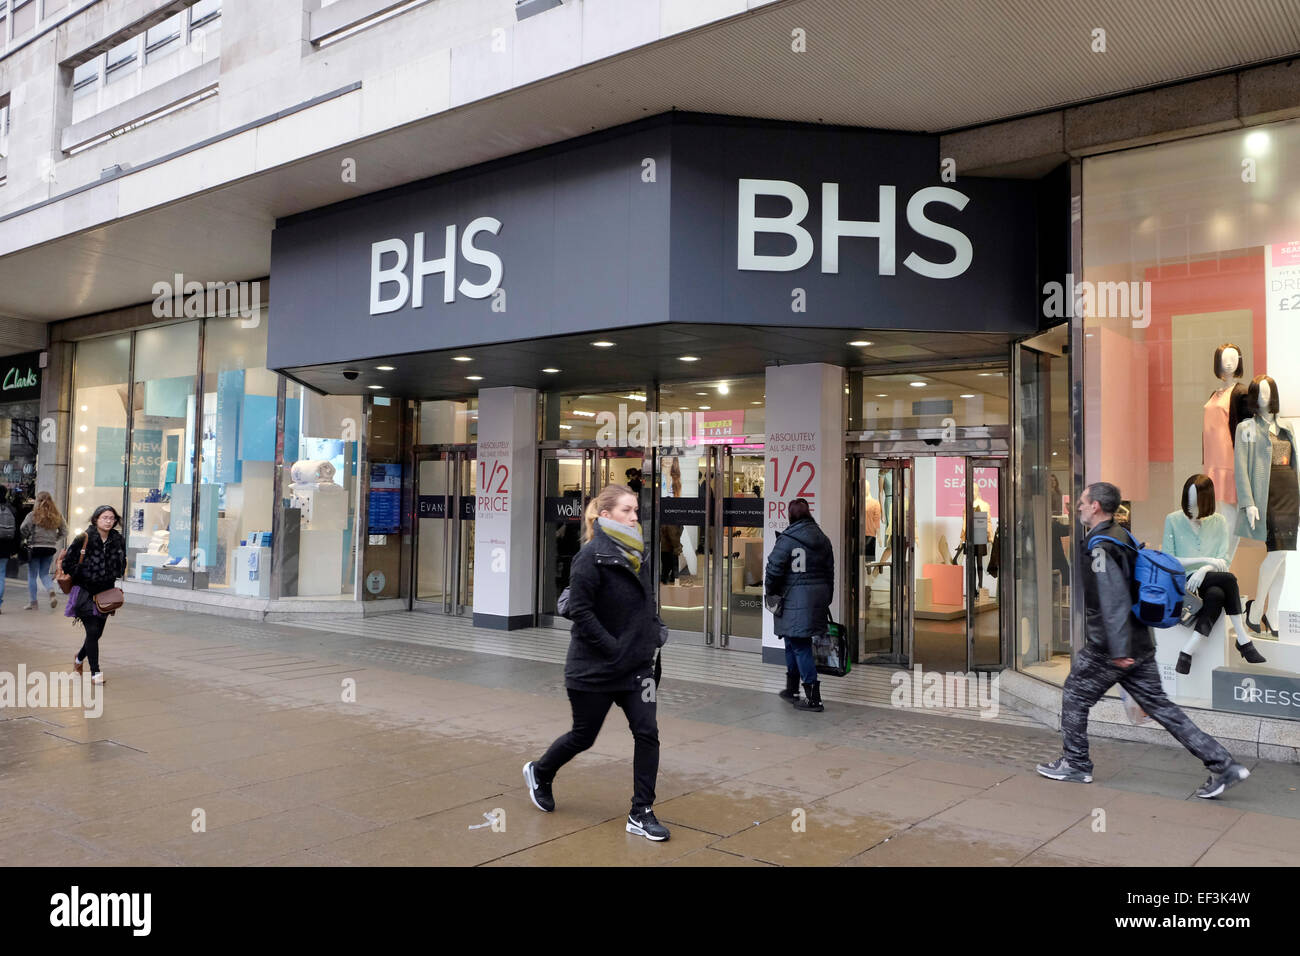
x=20 y=377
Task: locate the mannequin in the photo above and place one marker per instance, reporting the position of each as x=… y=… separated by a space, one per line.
x=1265 y=470
x=870 y=522
x=977 y=551
x=1197 y=536
x=1223 y=412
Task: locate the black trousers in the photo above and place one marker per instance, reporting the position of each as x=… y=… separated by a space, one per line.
x=667 y=567
x=589 y=710
x=94 y=625
x=1219 y=594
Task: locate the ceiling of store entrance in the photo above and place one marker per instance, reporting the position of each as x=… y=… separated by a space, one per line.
x=932 y=67
x=644 y=355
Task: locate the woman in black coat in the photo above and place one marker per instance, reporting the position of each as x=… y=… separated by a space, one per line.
x=800 y=579
x=616 y=633
x=95 y=570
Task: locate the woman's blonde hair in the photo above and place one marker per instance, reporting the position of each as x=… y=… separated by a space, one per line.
x=46 y=513
x=605 y=501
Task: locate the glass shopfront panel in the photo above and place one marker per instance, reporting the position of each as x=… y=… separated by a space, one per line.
x=237 y=457
x=1191 y=286
x=101 y=377
x=161 y=476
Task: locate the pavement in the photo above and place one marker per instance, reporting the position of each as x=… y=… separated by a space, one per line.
x=226 y=742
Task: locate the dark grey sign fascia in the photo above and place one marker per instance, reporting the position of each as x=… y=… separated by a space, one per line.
x=640 y=228
x=1257 y=694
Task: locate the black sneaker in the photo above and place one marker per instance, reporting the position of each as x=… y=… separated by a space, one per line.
x=642 y=822
x=538 y=792
x=1215 y=785
x=1060 y=769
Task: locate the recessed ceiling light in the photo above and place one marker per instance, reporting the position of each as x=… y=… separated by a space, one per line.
x=701 y=393
x=705 y=408
x=881 y=395
x=724 y=388
x=682 y=408
x=550 y=371
x=474 y=378
x=917 y=384
x=756 y=403
x=968 y=395
x=374 y=386
x=636 y=398
x=567 y=427
x=384 y=368
x=584 y=414
x=688 y=358
x=860 y=343
x=602 y=344
x=461 y=358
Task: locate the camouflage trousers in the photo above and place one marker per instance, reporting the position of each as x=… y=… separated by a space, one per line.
x=1094 y=674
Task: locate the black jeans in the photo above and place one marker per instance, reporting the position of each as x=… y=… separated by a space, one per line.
x=94 y=624
x=1093 y=674
x=1218 y=593
x=668 y=567
x=589 y=710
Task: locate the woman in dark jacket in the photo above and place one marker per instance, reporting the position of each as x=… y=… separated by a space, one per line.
x=95 y=570
x=800 y=579
x=616 y=632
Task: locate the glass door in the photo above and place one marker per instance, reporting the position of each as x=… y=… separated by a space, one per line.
x=881 y=554
x=685 y=491
x=568 y=479
x=986 y=497
x=740 y=601
x=446 y=485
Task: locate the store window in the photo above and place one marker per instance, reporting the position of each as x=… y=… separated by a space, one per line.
x=966 y=397
x=20 y=410
x=238 y=457
x=102 y=372
x=161 y=475
x=581 y=416
x=320 y=487
x=448 y=422
x=1191 y=283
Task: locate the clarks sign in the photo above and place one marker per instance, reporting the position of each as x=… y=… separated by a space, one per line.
x=20 y=377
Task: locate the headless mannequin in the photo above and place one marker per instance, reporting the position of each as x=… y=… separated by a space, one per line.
x=977 y=551
x=1270 y=572
x=1215 y=450
x=1194 y=579
x=871 y=522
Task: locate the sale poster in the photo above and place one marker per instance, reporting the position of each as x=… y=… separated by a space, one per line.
x=950 y=487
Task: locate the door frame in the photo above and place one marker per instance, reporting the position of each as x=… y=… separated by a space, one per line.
x=982 y=451
x=453 y=457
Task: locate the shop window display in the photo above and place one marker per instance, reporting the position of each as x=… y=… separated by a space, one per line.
x=161 y=473
x=1192 y=279
x=98 y=449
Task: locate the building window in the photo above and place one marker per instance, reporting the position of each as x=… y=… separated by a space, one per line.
x=122 y=60
x=204 y=12
x=163 y=39
x=85 y=78
x=52 y=7
x=24 y=16
x=97 y=454
x=4 y=126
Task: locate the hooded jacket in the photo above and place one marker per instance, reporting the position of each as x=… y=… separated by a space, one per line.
x=616 y=629
x=1109 y=622
x=801 y=568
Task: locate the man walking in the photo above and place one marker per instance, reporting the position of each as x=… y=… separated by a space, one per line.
x=1119 y=649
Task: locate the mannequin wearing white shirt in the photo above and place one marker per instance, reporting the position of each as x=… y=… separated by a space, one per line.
x=1270 y=571
x=1204 y=565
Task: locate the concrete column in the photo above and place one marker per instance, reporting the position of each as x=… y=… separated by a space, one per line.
x=805 y=459
x=56 y=408
x=505 y=515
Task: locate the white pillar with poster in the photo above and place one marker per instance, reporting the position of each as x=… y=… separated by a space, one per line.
x=804 y=448
x=505 y=512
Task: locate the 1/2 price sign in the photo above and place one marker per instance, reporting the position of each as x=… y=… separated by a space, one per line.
x=791 y=476
x=493 y=487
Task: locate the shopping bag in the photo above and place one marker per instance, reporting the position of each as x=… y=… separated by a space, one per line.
x=831 y=651
x=1132 y=710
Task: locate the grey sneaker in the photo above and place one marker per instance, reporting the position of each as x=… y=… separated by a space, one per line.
x=1216 y=784
x=1060 y=769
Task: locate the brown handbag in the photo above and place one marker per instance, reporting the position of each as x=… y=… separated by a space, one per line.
x=62 y=578
x=109 y=601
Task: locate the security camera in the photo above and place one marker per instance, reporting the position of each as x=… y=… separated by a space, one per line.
x=350 y=374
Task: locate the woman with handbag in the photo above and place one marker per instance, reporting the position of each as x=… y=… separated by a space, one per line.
x=611 y=659
x=94 y=561
x=799 y=582
x=41 y=532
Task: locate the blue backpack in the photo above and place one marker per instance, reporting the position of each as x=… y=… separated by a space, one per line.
x=1159 y=584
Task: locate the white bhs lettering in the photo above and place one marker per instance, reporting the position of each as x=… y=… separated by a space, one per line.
x=413 y=287
x=834 y=228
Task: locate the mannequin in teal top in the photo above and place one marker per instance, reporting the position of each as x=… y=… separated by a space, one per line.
x=1198 y=537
